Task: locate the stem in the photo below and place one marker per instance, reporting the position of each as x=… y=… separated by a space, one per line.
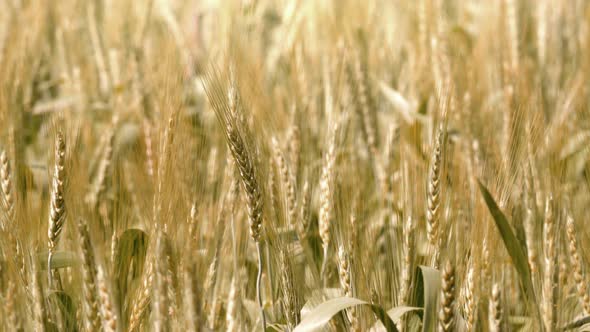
x=269 y=272
x=234 y=246
x=311 y=263
x=49 y=267
x=325 y=260
x=258 y=290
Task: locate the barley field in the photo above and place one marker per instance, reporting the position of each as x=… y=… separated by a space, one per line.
x=284 y=165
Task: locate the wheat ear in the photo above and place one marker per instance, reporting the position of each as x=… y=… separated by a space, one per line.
x=294 y=150
x=446 y=314
x=291 y=300
x=161 y=300
x=99 y=184
x=304 y=212
x=529 y=227
x=550 y=256
x=142 y=302
x=229 y=111
x=149 y=151
x=288 y=182
x=408 y=260
x=107 y=308
x=57 y=207
x=326 y=192
x=366 y=102
x=232 y=319
x=10 y=306
x=541 y=31
x=470 y=300
x=433 y=193
x=530 y=218
x=92 y=321
x=38 y=305
x=577 y=265
x=6 y=185
x=512 y=33
x=192 y=299
x=495 y=310
x=344 y=269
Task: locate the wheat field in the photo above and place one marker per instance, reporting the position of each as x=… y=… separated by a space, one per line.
x=284 y=165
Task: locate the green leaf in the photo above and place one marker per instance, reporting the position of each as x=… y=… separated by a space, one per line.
x=513 y=247
x=59 y=259
x=318 y=297
x=405 y=108
x=129 y=261
x=322 y=314
x=276 y=327
x=66 y=306
x=582 y=322
x=395 y=314
x=462 y=37
x=252 y=309
x=576 y=143
x=428 y=290
x=522 y=323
